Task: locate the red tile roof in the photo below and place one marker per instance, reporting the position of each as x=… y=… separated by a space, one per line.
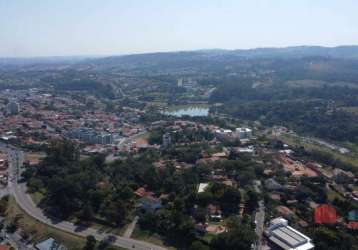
x=325 y=214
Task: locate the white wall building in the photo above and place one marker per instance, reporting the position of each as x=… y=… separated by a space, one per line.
x=243 y=133
x=286 y=237
x=239 y=133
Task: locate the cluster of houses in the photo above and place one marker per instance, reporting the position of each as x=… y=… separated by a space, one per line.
x=43 y=117
x=338 y=181
x=3 y=168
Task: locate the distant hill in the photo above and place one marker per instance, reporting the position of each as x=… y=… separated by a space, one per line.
x=341 y=52
x=343 y=59
x=147 y=59
x=218 y=60
x=348 y=52
x=42 y=60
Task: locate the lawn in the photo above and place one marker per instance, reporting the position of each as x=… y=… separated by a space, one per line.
x=36 y=197
x=147 y=236
x=208 y=237
x=108 y=229
x=352 y=146
x=332 y=195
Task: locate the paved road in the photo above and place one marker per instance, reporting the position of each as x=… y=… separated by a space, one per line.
x=25 y=202
x=259 y=218
x=130 y=228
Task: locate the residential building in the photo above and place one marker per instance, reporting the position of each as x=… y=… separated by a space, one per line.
x=49 y=244
x=150 y=203
x=3 y=161
x=13 y=107
x=243 y=133
x=167 y=140
x=202 y=187
x=325 y=214
x=214 y=212
x=273 y=185
x=224 y=134
x=90 y=136
x=343 y=177
x=353 y=215
x=180 y=82
x=238 y=134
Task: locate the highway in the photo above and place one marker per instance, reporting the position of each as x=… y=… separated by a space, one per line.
x=18 y=191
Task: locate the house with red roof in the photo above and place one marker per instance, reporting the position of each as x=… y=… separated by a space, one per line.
x=325 y=214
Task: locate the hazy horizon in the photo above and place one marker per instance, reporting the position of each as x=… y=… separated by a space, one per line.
x=97 y=28
x=168 y=51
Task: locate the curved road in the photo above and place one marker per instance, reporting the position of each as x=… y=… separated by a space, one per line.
x=25 y=202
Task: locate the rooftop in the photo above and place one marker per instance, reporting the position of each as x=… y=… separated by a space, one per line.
x=49 y=244
x=287 y=237
x=202 y=187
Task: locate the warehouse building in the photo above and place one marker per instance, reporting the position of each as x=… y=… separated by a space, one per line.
x=286 y=237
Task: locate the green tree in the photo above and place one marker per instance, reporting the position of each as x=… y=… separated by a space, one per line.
x=326 y=238
x=239 y=238
x=90 y=243
x=204 y=198
x=87 y=213
x=230 y=200
x=3 y=205
x=198 y=245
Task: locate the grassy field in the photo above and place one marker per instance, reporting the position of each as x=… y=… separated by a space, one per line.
x=34 y=156
x=353 y=110
x=295 y=141
x=140 y=234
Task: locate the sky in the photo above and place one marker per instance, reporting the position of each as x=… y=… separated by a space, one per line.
x=31 y=28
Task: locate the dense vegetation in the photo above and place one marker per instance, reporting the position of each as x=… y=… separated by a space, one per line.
x=91 y=190
x=313 y=110
x=80 y=189
x=331 y=238
x=87 y=85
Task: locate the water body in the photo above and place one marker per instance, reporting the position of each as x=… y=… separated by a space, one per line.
x=189 y=110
